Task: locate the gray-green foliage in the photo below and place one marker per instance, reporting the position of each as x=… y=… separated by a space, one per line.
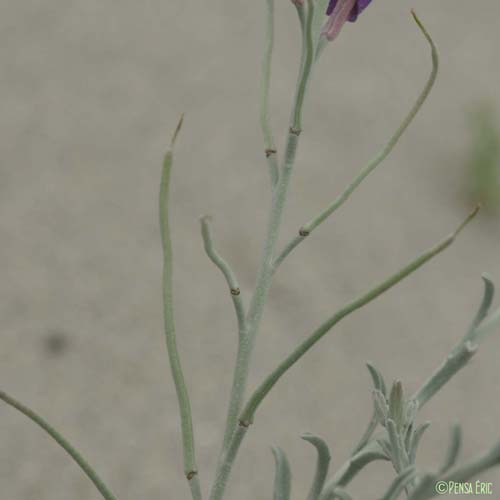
x=393 y=434
x=483 y=176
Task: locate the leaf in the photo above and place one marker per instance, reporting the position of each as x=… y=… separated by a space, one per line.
x=415 y=441
x=489 y=293
x=411 y=409
x=381 y=407
x=453 y=449
x=283 y=476
x=396 y=448
x=341 y=494
x=378 y=379
x=401 y=481
x=367 y=434
x=471 y=469
x=322 y=465
x=371 y=452
x=396 y=404
x=425 y=488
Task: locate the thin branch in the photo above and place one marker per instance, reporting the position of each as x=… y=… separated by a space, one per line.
x=266 y=386
x=237 y=395
x=308 y=228
x=190 y=468
x=307 y=66
x=74 y=454
x=226 y=270
x=265 y=272
x=269 y=143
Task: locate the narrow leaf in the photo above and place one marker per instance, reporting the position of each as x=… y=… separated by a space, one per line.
x=489 y=293
x=396 y=403
x=468 y=471
x=322 y=465
x=381 y=407
x=453 y=448
x=401 y=481
x=397 y=451
x=372 y=425
x=426 y=488
x=283 y=477
x=415 y=441
x=341 y=494
x=378 y=379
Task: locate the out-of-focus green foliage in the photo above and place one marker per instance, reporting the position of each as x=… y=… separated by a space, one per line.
x=483 y=179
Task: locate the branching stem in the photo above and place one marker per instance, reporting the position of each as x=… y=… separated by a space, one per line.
x=308 y=228
x=265 y=122
x=265 y=272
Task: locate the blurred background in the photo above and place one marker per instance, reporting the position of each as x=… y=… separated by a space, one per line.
x=90 y=93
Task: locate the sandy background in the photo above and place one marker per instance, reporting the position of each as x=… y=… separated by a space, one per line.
x=89 y=94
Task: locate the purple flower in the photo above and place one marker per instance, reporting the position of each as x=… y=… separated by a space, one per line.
x=340 y=11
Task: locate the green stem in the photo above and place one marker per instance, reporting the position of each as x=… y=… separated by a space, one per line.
x=225 y=268
x=236 y=392
x=72 y=452
x=307 y=66
x=266 y=386
x=265 y=273
x=269 y=144
x=308 y=228
x=190 y=468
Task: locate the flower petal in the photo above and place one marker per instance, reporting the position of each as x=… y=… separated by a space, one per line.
x=338 y=18
x=331 y=6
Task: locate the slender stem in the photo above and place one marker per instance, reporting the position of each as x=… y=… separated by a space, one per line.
x=74 y=454
x=306 y=70
x=190 y=468
x=226 y=464
x=265 y=273
x=226 y=270
x=266 y=386
x=307 y=229
x=269 y=144
x=237 y=392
